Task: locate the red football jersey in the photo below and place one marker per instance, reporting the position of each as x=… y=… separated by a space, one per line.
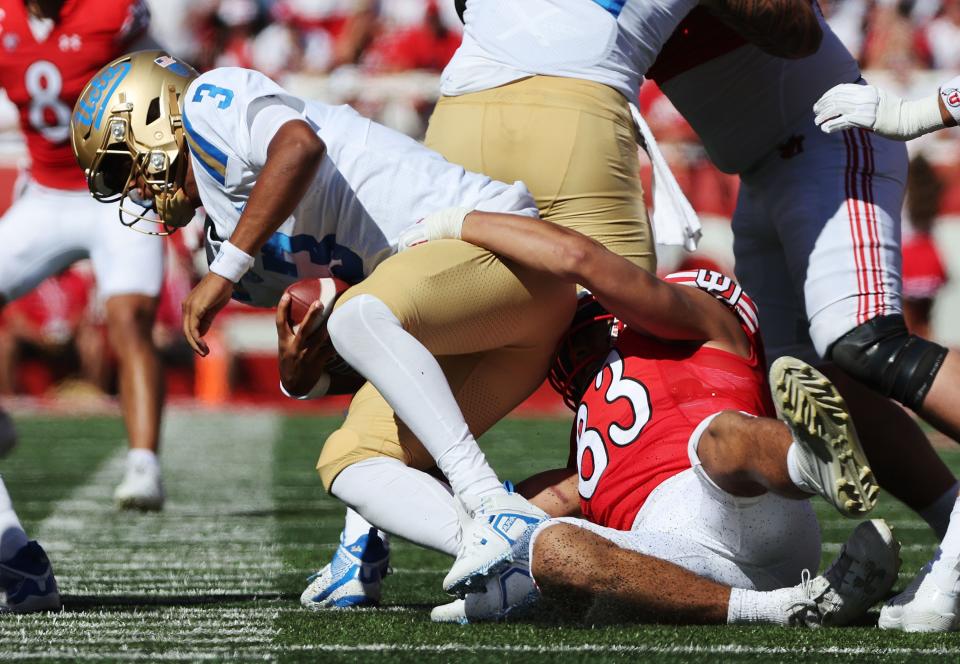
x=636 y=417
x=43 y=75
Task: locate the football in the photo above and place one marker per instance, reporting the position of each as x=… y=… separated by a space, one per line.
x=305 y=292
x=511 y=591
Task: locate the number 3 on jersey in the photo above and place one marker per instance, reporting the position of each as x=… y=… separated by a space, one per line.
x=48 y=114
x=620 y=433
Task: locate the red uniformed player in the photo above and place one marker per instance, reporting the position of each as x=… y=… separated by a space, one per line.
x=49 y=49
x=679 y=466
x=817 y=244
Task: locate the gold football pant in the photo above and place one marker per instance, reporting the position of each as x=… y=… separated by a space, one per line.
x=572 y=142
x=492 y=326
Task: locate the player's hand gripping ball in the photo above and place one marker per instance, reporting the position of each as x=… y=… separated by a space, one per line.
x=304 y=293
x=309 y=303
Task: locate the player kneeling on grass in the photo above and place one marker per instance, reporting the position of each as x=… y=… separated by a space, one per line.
x=679 y=459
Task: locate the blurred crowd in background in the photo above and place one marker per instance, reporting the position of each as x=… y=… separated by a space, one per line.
x=384 y=57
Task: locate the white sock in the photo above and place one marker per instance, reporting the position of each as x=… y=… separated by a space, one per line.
x=758 y=607
x=355 y=527
x=794 y=470
x=371 y=339
x=937 y=513
x=139 y=456
x=12 y=535
x=946 y=567
x=403 y=501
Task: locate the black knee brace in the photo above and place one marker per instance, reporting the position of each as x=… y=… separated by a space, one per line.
x=882 y=354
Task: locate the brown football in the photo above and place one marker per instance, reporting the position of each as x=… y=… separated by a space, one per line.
x=307 y=291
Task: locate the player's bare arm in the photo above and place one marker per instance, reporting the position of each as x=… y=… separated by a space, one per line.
x=784 y=28
x=293 y=157
x=554 y=491
x=635 y=296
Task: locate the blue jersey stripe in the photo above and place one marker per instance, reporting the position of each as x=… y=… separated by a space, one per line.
x=612 y=6
x=213 y=160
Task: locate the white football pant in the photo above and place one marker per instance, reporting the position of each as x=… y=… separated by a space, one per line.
x=759 y=543
x=46 y=230
x=817 y=236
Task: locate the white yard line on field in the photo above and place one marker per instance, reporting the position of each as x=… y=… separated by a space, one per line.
x=270 y=652
x=214 y=543
x=215 y=535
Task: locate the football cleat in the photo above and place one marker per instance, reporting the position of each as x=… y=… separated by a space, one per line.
x=860 y=576
x=506 y=594
x=929 y=603
x=501 y=525
x=8 y=434
x=829 y=455
x=353 y=578
x=141 y=487
x=27 y=583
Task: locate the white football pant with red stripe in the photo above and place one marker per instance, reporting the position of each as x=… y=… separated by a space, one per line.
x=817 y=236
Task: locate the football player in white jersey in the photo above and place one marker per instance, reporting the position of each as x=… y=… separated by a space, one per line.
x=528 y=73
x=294 y=189
x=817 y=243
x=540 y=91
x=849 y=106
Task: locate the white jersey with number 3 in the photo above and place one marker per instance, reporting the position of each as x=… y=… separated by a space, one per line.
x=612 y=42
x=372 y=184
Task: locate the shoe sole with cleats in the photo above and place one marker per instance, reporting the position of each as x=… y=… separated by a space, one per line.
x=809 y=404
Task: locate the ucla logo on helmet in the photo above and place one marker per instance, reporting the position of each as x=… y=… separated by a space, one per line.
x=87 y=112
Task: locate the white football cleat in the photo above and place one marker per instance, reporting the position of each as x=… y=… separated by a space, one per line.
x=8 y=434
x=353 y=578
x=141 y=487
x=506 y=593
x=861 y=575
x=27 y=583
x=829 y=455
x=501 y=523
x=929 y=603
x=857 y=579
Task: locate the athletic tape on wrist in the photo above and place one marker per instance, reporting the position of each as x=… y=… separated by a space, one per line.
x=950 y=94
x=905 y=120
x=231 y=263
x=446 y=224
x=317 y=391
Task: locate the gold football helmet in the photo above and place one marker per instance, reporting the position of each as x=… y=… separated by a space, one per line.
x=127 y=134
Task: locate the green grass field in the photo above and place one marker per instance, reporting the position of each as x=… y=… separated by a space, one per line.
x=218 y=574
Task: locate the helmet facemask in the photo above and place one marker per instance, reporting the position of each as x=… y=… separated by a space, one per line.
x=124 y=159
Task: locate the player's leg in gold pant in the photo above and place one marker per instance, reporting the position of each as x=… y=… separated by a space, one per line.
x=492 y=326
x=572 y=142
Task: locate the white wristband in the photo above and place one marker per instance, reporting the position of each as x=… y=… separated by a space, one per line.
x=231 y=263
x=317 y=391
x=950 y=94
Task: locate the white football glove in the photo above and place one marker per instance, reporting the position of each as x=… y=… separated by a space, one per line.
x=850 y=106
x=444 y=224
